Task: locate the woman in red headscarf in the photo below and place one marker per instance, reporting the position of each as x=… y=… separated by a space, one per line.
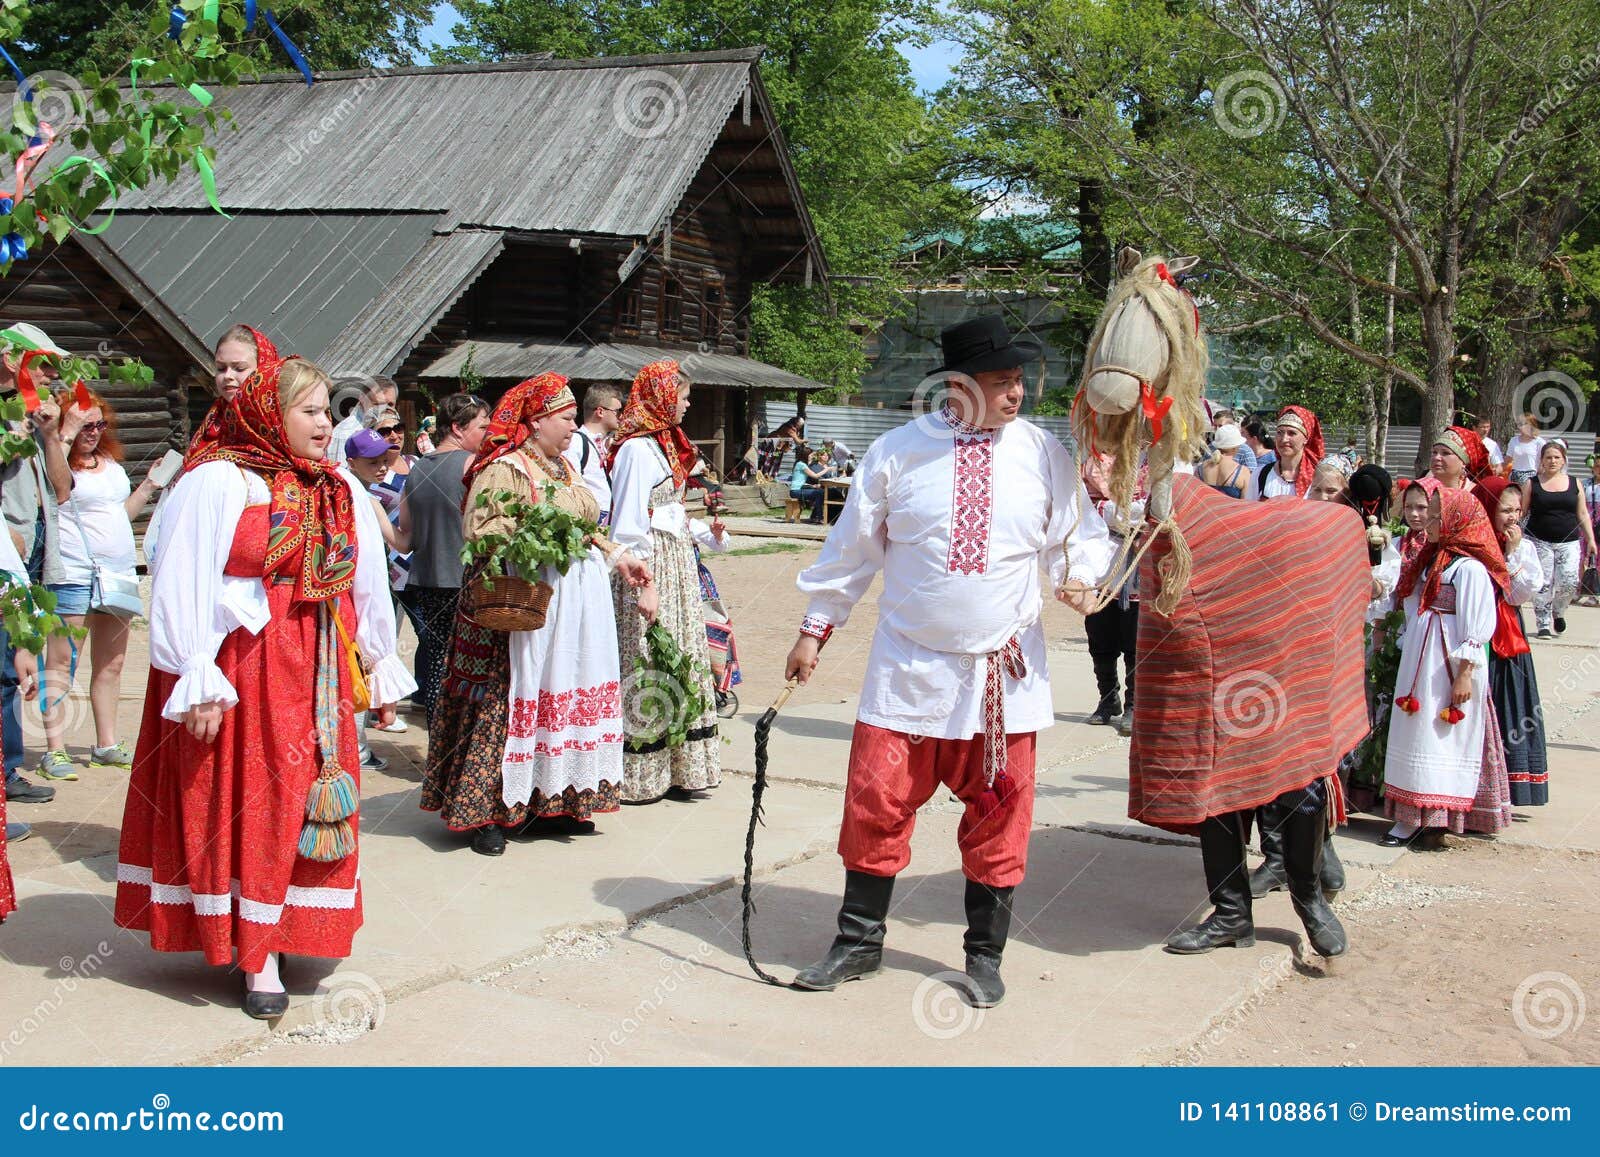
x=1459 y=458
x=240 y=832
x=528 y=731
x=652 y=461
x=1512 y=683
x=1445 y=767
x=1299 y=447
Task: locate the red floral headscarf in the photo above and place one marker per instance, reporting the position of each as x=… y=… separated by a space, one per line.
x=1464 y=532
x=1509 y=639
x=1307 y=423
x=1467 y=446
x=210 y=431
x=1412 y=542
x=514 y=415
x=652 y=410
x=312 y=526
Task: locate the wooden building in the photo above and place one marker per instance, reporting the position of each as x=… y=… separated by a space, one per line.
x=583 y=216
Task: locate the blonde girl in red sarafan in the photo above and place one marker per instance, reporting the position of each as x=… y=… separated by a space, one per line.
x=240 y=833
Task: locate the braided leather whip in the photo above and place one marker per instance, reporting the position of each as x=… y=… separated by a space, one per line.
x=763 y=728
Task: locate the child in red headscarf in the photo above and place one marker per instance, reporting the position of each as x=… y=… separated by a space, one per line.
x=1445 y=766
x=1512 y=683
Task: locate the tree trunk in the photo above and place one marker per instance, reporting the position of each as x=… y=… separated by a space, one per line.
x=1380 y=432
x=1439 y=403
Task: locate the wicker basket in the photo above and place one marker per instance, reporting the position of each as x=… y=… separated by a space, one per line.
x=511 y=604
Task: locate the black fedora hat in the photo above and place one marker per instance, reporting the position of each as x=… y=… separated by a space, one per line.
x=983 y=343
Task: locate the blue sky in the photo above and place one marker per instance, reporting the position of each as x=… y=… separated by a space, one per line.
x=930 y=67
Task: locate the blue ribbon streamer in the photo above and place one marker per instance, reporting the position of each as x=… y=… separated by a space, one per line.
x=249 y=15
x=175 y=25
x=288 y=46
x=22 y=81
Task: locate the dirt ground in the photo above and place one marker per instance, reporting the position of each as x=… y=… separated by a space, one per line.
x=1479 y=953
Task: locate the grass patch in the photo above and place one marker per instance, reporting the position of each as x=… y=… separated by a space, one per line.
x=765 y=548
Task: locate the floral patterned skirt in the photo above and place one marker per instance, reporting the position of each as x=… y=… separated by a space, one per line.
x=697 y=763
x=467 y=744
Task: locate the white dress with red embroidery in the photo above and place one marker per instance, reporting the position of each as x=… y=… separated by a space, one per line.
x=960 y=521
x=564 y=720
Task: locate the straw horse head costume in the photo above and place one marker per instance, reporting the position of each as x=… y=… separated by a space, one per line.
x=1143 y=385
x=1258 y=606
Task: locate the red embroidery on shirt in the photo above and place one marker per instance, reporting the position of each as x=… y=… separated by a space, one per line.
x=581 y=707
x=971 y=505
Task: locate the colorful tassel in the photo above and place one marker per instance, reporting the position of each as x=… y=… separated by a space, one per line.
x=1452 y=715
x=327 y=843
x=333 y=797
x=1410 y=704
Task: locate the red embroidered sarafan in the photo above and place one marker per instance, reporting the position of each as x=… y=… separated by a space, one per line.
x=209 y=859
x=972 y=505
x=8 y=891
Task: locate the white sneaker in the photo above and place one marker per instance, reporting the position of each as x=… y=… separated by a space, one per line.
x=398 y=727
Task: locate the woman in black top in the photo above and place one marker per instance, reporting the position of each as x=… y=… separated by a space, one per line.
x=1559 y=528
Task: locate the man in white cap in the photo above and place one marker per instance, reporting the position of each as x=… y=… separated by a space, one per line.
x=30 y=488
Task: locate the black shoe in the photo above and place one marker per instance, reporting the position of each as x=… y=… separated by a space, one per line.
x=1230 y=924
x=1305 y=838
x=265 y=1005
x=1544 y=633
x=988 y=926
x=20 y=790
x=858 y=949
x=374 y=763
x=489 y=841
x=1561 y=625
x=1110 y=707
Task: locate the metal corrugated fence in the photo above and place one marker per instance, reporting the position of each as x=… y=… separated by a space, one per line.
x=858 y=426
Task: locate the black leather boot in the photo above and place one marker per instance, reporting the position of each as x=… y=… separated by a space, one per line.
x=1230 y=924
x=1332 y=874
x=858 y=949
x=988 y=925
x=1270 y=876
x=1124 y=722
x=1105 y=677
x=1304 y=840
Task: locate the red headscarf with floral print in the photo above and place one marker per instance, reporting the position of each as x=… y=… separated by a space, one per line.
x=652 y=410
x=311 y=533
x=209 y=435
x=1464 y=532
x=1467 y=446
x=1412 y=542
x=1307 y=422
x=514 y=415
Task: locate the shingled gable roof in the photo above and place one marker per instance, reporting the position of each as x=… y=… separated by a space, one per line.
x=607 y=146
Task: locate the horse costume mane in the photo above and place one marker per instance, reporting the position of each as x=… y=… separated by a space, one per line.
x=1143 y=390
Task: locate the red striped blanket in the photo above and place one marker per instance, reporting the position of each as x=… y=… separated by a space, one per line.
x=1254 y=686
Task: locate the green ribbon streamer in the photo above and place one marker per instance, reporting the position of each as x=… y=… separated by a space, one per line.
x=211 y=11
x=209 y=180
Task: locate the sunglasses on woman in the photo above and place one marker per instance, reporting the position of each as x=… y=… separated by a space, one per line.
x=391 y=431
x=94 y=427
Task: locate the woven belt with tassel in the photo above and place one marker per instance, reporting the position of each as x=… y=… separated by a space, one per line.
x=1006 y=661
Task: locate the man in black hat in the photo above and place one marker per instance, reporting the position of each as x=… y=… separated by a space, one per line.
x=959 y=509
